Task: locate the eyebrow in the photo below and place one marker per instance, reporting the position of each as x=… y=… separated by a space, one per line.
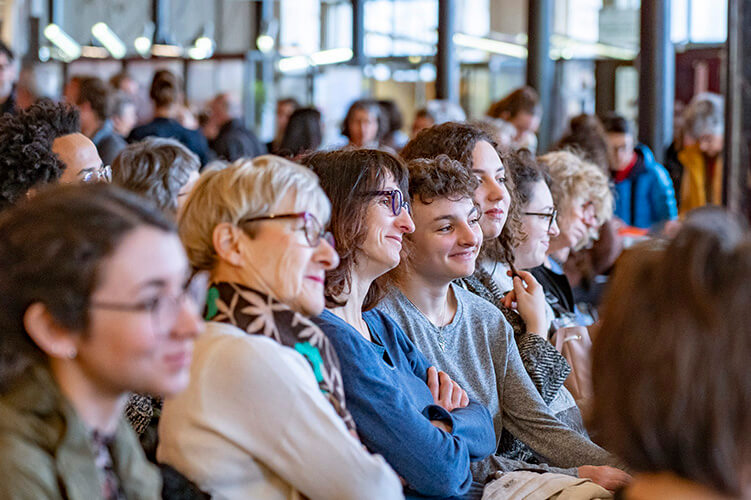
x=450 y=217
x=160 y=282
x=499 y=169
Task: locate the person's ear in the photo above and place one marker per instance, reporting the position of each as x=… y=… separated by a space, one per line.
x=55 y=340
x=226 y=239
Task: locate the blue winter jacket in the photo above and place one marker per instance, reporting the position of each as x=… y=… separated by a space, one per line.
x=646 y=197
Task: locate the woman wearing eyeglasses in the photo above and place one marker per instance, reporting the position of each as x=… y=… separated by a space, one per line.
x=265 y=414
x=95 y=302
x=417 y=418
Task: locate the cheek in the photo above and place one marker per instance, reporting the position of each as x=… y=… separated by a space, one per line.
x=123 y=345
x=288 y=272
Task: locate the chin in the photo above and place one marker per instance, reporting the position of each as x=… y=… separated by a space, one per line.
x=491 y=230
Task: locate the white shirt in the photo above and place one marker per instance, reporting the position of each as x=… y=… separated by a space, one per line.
x=253 y=424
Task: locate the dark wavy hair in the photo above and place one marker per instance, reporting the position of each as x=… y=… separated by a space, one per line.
x=369 y=105
x=99 y=96
x=344 y=176
x=672 y=386
x=522 y=100
x=51 y=251
x=457 y=141
x=26 y=157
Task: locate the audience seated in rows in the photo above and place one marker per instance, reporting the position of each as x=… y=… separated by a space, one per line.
x=265 y=414
x=43 y=145
x=95 y=302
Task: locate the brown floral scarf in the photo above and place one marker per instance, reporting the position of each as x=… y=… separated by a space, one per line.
x=258 y=314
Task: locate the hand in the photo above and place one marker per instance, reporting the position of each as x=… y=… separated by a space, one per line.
x=609 y=478
x=441 y=425
x=530 y=302
x=446 y=393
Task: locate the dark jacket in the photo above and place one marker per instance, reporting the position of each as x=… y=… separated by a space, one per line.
x=166 y=127
x=46 y=451
x=646 y=197
x=235 y=141
x=108 y=142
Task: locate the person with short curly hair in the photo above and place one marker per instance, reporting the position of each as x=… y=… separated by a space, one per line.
x=43 y=145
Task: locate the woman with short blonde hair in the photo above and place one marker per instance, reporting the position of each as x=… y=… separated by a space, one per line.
x=265 y=415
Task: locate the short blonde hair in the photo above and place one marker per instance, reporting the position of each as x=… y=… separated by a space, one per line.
x=575 y=178
x=245 y=188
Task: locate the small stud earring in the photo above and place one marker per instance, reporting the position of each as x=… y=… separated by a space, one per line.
x=72 y=354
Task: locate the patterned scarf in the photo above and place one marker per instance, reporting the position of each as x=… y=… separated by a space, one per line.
x=258 y=314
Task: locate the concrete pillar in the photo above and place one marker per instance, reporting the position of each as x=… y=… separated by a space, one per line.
x=447 y=62
x=540 y=68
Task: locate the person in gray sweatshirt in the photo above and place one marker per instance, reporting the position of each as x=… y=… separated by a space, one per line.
x=468 y=337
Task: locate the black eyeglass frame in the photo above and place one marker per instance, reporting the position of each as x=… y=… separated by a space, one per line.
x=551 y=215
x=397 y=200
x=312 y=234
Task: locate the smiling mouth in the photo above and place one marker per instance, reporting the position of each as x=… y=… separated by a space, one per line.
x=317 y=279
x=395 y=238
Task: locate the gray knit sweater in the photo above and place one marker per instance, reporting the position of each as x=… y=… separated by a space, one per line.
x=478 y=351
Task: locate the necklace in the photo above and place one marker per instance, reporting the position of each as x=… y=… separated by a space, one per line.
x=439 y=328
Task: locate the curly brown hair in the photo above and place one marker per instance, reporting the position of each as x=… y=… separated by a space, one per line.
x=439 y=177
x=344 y=175
x=457 y=141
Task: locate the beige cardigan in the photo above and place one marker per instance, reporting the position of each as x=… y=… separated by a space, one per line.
x=254 y=424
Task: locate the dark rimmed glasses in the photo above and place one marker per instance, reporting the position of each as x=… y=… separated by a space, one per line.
x=551 y=216
x=397 y=200
x=164 y=309
x=312 y=228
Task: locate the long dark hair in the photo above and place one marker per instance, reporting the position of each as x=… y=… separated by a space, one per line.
x=51 y=251
x=344 y=174
x=303 y=133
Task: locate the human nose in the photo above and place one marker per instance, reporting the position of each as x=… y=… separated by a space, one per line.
x=404 y=222
x=497 y=191
x=554 y=230
x=468 y=237
x=326 y=255
x=188 y=323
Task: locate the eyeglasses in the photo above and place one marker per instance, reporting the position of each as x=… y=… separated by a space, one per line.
x=397 y=200
x=101 y=174
x=165 y=309
x=551 y=216
x=314 y=231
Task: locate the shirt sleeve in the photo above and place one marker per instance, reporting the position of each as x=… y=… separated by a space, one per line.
x=431 y=461
x=528 y=418
x=291 y=427
x=663 y=196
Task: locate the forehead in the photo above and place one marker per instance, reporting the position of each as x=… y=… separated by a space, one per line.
x=440 y=207
x=541 y=196
x=485 y=158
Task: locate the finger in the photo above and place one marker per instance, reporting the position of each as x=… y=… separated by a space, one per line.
x=509 y=298
x=446 y=388
x=529 y=280
x=456 y=395
x=519 y=288
x=433 y=382
x=465 y=399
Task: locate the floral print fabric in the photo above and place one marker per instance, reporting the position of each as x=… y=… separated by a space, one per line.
x=258 y=314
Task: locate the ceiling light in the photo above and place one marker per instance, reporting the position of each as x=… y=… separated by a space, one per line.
x=68 y=47
x=109 y=40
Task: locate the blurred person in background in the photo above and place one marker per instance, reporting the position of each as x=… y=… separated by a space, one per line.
x=125 y=83
x=284 y=109
x=521 y=108
x=586 y=137
x=43 y=145
x=644 y=195
x=95 y=302
x=423 y=119
x=71 y=88
x=393 y=136
x=95 y=101
x=672 y=388
x=162 y=170
x=362 y=125
x=8 y=78
x=695 y=161
x=124 y=114
x=233 y=140
x=304 y=133
x=166 y=94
